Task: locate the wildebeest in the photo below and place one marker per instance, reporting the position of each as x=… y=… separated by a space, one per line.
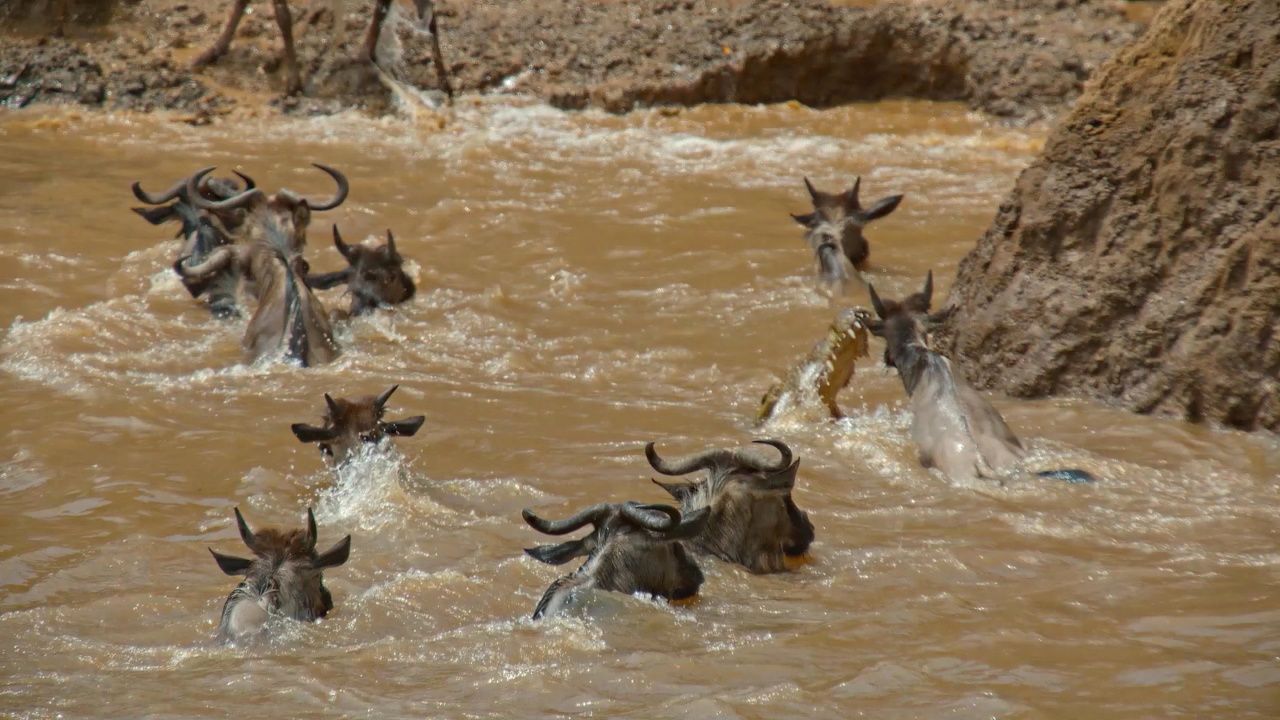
x=374 y=276
x=753 y=520
x=284 y=578
x=955 y=429
x=202 y=231
x=350 y=423
x=834 y=229
x=288 y=316
x=293 y=80
x=632 y=548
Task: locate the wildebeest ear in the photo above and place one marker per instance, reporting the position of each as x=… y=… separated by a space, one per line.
x=805 y=220
x=558 y=554
x=781 y=481
x=882 y=207
x=691 y=524
x=679 y=491
x=404 y=428
x=875 y=301
x=310 y=433
x=334 y=556
x=230 y=564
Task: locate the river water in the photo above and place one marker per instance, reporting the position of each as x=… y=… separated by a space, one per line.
x=587 y=283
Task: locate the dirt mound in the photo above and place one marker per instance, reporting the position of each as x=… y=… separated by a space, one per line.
x=1138 y=259
x=1015 y=58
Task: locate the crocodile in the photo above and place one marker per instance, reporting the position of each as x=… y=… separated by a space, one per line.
x=825 y=371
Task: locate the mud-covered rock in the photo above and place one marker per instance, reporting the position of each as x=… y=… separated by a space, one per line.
x=1138 y=259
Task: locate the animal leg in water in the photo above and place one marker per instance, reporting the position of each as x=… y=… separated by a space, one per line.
x=380 y=10
x=293 y=81
x=223 y=42
x=442 y=74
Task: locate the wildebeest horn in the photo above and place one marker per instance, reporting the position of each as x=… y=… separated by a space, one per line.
x=384 y=397
x=706 y=461
x=928 y=290
x=813 y=192
x=592 y=515
x=343 y=189
x=333 y=407
x=784 y=462
x=854 y=203
x=312 y=532
x=235 y=201
x=343 y=248
x=249 y=184
x=160 y=199
x=391 y=245
x=245 y=533
x=638 y=515
x=875 y=301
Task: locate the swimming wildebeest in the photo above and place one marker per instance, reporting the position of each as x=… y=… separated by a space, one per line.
x=202 y=231
x=288 y=316
x=825 y=371
x=632 y=548
x=834 y=229
x=753 y=522
x=284 y=578
x=350 y=423
x=293 y=80
x=955 y=429
x=374 y=276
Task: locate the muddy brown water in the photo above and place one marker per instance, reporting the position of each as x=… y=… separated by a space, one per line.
x=587 y=283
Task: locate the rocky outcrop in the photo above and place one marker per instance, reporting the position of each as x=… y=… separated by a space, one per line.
x=1020 y=59
x=1138 y=259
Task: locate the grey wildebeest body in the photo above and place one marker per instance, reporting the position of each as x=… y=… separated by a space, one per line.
x=284 y=579
x=374 y=276
x=348 y=424
x=288 y=315
x=202 y=231
x=955 y=429
x=753 y=519
x=834 y=229
x=632 y=548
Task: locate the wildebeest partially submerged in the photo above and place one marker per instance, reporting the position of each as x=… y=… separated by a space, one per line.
x=348 y=424
x=374 y=276
x=834 y=229
x=202 y=231
x=632 y=548
x=284 y=578
x=753 y=519
x=955 y=429
x=289 y=317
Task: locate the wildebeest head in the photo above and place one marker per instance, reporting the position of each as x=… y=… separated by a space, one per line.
x=285 y=577
x=834 y=228
x=754 y=521
x=905 y=322
x=283 y=217
x=632 y=548
x=349 y=423
x=375 y=276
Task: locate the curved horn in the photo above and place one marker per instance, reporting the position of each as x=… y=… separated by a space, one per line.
x=592 y=515
x=249 y=184
x=875 y=301
x=163 y=197
x=343 y=189
x=928 y=290
x=705 y=461
x=312 y=533
x=637 y=515
x=343 y=248
x=391 y=245
x=784 y=462
x=235 y=201
x=332 y=405
x=853 y=193
x=245 y=533
x=813 y=192
x=384 y=397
